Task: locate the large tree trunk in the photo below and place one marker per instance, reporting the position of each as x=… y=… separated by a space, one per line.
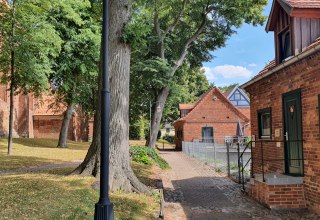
x=62 y=143
x=121 y=175
x=157 y=115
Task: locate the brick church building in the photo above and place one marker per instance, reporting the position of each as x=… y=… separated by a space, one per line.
x=33 y=118
x=285 y=111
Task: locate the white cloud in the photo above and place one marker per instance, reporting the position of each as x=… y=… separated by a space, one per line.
x=252 y=65
x=227 y=71
x=209 y=73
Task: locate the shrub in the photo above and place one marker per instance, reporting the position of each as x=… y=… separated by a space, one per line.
x=147 y=155
x=169 y=138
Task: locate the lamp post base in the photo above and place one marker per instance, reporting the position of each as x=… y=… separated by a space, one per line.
x=103 y=212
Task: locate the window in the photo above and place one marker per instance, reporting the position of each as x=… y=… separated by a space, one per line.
x=264 y=123
x=284 y=45
x=167 y=130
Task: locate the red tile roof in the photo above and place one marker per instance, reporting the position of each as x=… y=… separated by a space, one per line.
x=218 y=92
x=272 y=63
x=303 y=3
x=186 y=106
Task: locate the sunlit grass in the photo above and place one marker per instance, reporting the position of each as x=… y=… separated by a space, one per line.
x=52 y=195
x=32 y=152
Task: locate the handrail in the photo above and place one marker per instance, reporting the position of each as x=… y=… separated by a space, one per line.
x=262 y=154
x=241 y=167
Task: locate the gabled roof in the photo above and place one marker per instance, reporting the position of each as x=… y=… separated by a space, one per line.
x=221 y=97
x=294 y=8
x=236 y=88
x=271 y=67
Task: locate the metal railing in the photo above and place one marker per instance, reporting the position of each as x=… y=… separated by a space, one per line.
x=241 y=167
x=261 y=159
x=220 y=153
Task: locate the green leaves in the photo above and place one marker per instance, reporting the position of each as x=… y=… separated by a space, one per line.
x=35 y=43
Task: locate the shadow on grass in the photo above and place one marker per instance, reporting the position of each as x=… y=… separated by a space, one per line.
x=50 y=143
x=45 y=196
x=16 y=162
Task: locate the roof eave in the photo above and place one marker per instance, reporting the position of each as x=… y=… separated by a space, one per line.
x=285 y=5
x=283 y=65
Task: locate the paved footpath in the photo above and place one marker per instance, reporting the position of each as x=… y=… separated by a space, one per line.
x=194 y=191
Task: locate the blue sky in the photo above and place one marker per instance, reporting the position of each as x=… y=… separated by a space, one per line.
x=245 y=54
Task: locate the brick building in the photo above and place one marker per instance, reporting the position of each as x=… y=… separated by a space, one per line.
x=34 y=118
x=285 y=99
x=213 y=117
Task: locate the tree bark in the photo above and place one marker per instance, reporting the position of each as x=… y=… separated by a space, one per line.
x=163 y=95
x=121 y=175
x=157 y=115
x=11 y=105
x=12 y=82
x=62 y=143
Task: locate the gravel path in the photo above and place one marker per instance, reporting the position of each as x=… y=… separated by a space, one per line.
x=195 y=191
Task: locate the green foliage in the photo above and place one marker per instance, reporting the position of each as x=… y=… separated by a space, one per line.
x=25 y=30
x=75 y=74
x=169 y=138
x=158 y=59
x=137 y=130
x=147 y=155
x=229 y=87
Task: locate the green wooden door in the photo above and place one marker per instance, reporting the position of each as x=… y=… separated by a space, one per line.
x=292 y=132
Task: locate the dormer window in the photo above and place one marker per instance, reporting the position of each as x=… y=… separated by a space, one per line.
x=284 y=45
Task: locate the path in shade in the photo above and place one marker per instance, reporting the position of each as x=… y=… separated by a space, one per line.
x=194 y=191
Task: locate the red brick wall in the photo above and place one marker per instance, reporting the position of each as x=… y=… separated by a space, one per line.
x=46 y=127
x=213 y=111
x=279 y=196
x=304 y=75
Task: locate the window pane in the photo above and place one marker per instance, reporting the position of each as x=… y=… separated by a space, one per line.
x=265 y=124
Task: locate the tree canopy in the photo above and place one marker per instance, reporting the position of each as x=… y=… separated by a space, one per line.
x=25 y=30
x=167 y=34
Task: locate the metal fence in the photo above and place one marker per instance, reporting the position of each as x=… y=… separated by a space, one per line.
x=220 y=153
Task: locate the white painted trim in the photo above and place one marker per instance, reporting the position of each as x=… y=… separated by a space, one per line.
x=242 y=93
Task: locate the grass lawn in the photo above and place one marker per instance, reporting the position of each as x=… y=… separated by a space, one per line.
x=32 y=152
x=50 y=194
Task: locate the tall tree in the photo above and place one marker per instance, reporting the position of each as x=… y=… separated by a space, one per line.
x=176 y=30
x=121 y=175
x=76 y=70
x=186 y=86
x=28 y=47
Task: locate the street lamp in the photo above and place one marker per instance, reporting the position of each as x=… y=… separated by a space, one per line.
x=104 y=208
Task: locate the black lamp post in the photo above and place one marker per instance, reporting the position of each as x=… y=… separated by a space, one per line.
x=104 y=208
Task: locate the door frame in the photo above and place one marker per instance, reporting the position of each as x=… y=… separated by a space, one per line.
x=202 y=131
x=286 y=161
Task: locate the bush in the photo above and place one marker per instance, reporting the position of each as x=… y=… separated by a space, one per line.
x=148 y=156
x=169 y=138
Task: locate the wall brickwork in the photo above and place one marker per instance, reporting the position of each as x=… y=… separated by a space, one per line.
x=36 y=119
x=214 y=110
x=304 y=75
x=279 y=196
